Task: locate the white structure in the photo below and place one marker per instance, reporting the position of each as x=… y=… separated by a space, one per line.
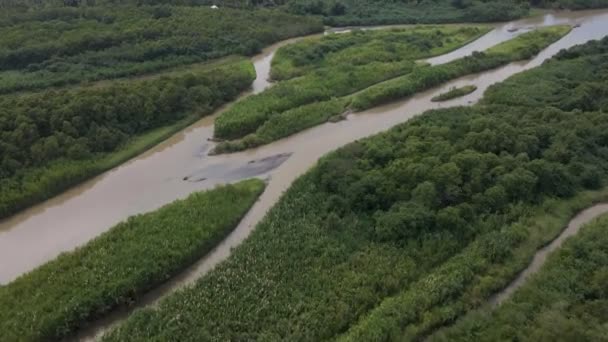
x=214 y=7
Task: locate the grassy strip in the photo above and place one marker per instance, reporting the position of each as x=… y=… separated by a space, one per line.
x=285 y=124
x=559 y=82
x=522 y=47
x=454 y=93
x=565 y=301
x=469 y=279
x=120 y=265
x=363 y=47
x=97 y=146
x=360 y=60
x=248 y=115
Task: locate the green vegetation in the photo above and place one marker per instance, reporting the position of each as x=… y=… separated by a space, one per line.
x=363 y=47
x=59 y=46
x=287 y=123
x=393 y=236
x=112 y=79
x=570 y=4
x=374 y=12
x=332 y=12
x=54 y=139
x=271 y=114
x=120 y=265
x=454 y=93
x=346 y=72
x=522 y=47
x=565 y=301
x=573 y=79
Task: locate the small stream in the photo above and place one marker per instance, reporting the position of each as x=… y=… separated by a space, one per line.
x=180 y=165
x=574 y=226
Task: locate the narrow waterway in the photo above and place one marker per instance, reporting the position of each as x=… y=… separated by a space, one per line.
x=180 y=166
x=574 y=226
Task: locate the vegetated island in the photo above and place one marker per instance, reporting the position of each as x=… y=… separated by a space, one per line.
x=120 y=265
x=301 y=102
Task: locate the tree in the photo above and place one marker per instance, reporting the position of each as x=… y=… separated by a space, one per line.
x=403 y=221
x=337 y=9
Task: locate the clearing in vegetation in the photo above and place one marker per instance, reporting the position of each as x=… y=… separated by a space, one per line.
x=120 y=265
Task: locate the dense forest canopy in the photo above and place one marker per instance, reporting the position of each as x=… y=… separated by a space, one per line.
x=174 y=63
x=354 y=12
x=69 y=45
x=61 y=134
x=395 y=235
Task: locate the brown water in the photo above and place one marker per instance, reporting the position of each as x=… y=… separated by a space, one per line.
x=540 y=257
x=166 y=172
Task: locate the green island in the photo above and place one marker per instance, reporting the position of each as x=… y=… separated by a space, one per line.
x=303 y=102
x=397 y=235
x=565 y=301
x=455 y=93
x=356 y=61
x=121 y=265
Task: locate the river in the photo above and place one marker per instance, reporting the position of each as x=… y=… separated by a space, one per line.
x=180 y=165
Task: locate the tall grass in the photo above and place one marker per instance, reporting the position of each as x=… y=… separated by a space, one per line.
x=122 y=264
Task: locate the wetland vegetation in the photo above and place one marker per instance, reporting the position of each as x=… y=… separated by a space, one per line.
x=121 y=265
x=565 y=301
x=388 y=238
x=285 y=109
x=60 y=46
x=52 y=140
x=396 y=235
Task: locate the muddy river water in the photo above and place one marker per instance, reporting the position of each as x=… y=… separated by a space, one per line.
x=180 y=165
